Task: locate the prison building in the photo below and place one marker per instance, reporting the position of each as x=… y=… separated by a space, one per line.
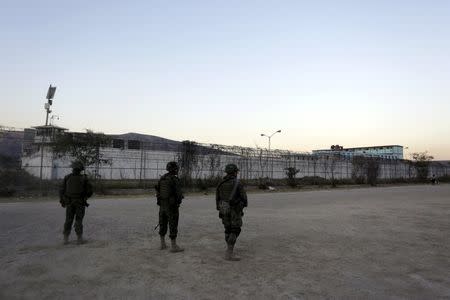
x=386 y=152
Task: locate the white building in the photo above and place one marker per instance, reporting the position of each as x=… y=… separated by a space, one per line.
x=386 y=152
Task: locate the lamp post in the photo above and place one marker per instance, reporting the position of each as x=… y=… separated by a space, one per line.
x=270 y=137
x=50 y=95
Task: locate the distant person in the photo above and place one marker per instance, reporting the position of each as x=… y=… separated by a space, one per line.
x=230 y=202
x=169 y=196
x=74 y=192
x=434 y=179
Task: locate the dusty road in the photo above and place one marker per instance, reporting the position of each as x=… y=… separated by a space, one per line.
x=385 y=243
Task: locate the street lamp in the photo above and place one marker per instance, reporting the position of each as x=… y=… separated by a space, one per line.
x=269 y=137
x=50 y=95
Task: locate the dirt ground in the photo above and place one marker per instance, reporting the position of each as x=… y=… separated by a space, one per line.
x=385 y=243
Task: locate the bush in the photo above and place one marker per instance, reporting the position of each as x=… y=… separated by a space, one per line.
x=398 y=180
x=344 y=181
x=15 y=178
x=445 y=178
x=204 y=183
x=108 y=184
x=291 y=173
x=15 y=181
x=421 y=161
x=359 y=179
x=373 y=169
x=6 y=191
x=9 y=162
x=263 y=183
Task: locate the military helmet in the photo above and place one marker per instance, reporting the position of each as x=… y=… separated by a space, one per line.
x=231 y=168
x=77 y=164
x=172 y=166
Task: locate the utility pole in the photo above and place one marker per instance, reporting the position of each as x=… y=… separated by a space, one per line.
x=50 y=95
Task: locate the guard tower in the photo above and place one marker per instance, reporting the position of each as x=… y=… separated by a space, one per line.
x=46 y=134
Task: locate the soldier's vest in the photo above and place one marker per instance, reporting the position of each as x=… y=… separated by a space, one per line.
x=166 y=190
x=75 y=186
x=225 y=191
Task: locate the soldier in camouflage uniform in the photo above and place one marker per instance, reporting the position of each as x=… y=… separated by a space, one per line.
x=169 y=197
x=230 y=202
x=74 y=191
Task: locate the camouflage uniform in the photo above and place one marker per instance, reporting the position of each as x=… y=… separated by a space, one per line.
x=169 y=197
x=231 y=208
x=74 y=191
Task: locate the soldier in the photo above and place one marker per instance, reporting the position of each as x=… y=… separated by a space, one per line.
x=230 y=202
x=169 y=197
x=73 y=195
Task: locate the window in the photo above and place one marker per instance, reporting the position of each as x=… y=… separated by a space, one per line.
x=134 y=144
x=119 y=144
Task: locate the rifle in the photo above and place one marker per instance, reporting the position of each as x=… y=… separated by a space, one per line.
x=87 y=190
x=233 y=192
x=158 y=200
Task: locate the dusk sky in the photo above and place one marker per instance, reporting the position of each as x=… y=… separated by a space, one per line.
x=353 y=73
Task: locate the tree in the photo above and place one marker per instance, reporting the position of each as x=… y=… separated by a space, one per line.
x=335 y=158
x=82 y=146
x=314 y=163
x=336 y=147
x=326 y=164
x=187 y=159
x=359 y=169
x=373 y=170
x=262 y=165
x=291 y=172
x=365 y=168
x=421 y=161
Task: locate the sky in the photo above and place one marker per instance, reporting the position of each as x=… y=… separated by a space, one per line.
x=353 y=73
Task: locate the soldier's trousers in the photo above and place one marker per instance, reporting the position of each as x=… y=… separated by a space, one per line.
x=168 y=216
x=74 y=211
x=232 y=223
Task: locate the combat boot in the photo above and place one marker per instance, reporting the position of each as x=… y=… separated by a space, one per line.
x=232 y=239
x=80 y=239
x=163 y=243
x=229 y=255
x=175 y=247
x=66 y=239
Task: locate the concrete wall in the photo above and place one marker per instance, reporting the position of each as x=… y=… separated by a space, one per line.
x=148 y=164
